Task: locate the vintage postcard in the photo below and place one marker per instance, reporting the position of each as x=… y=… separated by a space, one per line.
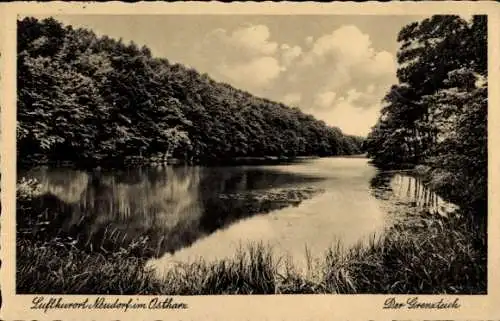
x=260 y=161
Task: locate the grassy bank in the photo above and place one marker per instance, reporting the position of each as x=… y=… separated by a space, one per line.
x=423 y=255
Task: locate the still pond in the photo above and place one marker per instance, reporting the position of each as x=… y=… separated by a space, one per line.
x=181 y=213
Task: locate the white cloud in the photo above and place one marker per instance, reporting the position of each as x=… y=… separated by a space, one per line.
x=381 y=63
x=244 y=57
x=251 y=41
x=325 y=99
x=354 y=112
x=292 y=98
x=343 y=79
x=353 y=95
x=347 y=44
x=351 y=120
x=289 y=54
x=372 y=95
x=339 y=77
x=347 y=49
x=253 y=74
x=254 y=38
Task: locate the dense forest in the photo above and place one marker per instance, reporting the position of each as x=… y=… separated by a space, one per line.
x=437 y=115
x=93 y=99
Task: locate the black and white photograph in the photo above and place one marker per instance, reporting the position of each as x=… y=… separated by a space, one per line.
x=251 y=154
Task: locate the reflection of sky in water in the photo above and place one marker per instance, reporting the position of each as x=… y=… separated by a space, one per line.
x=316 y=223
x=181 y=211
x=346 y=212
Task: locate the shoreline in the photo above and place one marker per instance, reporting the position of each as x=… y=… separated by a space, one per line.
x=404 y=253
x=140 y=162
x=409 y=250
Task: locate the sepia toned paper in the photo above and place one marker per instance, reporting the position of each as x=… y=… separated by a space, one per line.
x=241 y=307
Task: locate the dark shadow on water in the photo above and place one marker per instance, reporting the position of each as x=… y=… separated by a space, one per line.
x=150 y=211
x=380 y=185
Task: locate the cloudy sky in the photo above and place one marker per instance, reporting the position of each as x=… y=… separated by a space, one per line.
x=336 y=68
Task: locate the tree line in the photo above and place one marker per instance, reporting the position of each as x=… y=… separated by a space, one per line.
x=87 y=98
x=437 y=114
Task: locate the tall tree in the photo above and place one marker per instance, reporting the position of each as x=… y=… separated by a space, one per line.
x=437 y=114
x=85 y=97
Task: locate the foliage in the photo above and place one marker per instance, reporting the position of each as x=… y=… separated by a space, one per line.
x=26 y=189
x=424 y=256
x=437 y=114
x=87 y=98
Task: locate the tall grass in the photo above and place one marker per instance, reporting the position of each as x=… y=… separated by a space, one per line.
x=49 y=268
x=434 y=256
x=424 y=256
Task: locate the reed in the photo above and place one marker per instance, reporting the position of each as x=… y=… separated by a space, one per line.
x=421 y=256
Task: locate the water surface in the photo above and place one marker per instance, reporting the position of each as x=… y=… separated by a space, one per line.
x=179 y=214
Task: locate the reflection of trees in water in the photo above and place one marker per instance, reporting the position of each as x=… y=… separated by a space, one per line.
x=380 y=185
x=413 y=188
x=158 y=208
x=110 y=213
x=410 y=190
x=407 y=194
x=67 y=185
x=241 y=179
x=237 y=184
x=165 y=208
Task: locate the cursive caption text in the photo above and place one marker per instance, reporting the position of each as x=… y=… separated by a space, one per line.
x=417 y=303
x=124 y=304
